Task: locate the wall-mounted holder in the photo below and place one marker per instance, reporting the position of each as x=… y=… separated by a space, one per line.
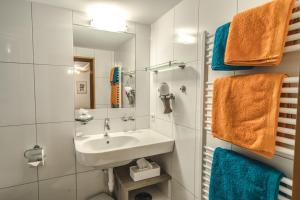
x=183 y=89
x=35 y=156
x=84 y=117
x=166 y=99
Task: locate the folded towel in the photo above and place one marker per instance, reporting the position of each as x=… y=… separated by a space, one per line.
x=220 y=41
x=257 y=36
x=234 y=177
x=111 y=75
x=115 y=95
x=114 y=75
x=245 y=111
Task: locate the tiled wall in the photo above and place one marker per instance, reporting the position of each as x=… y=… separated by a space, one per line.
x=37 y=103
x=191 y=17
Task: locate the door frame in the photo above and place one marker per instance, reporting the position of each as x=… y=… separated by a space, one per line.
x=91 y=61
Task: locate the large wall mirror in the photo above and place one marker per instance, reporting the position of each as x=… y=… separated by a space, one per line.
x=104 y=68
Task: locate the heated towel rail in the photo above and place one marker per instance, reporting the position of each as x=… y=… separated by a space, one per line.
x=286 y=122
x=291 y=41
x=286 y=131
x=285 y=188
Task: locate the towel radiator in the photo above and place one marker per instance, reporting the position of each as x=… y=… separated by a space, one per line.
x=285 y=188
x=291 y=41
x=287 y=122
x=285 y=140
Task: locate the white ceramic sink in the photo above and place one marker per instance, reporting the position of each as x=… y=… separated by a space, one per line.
x=120 y=148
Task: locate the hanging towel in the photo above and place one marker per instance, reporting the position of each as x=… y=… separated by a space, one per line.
x=114 y=75
x=220 y=41
x=245 y=111
x=235 y=177
x=257 y=36
x=115 y=95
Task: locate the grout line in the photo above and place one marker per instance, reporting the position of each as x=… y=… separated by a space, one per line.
x=56 y=177
x=35 y=103
x=14 y=62
x=18 y=185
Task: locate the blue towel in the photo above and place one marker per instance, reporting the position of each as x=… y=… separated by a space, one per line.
x=116 y=75
x=221 y=36
x=235 y=177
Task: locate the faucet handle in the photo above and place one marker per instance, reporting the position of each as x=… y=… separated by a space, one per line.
x=131 y=118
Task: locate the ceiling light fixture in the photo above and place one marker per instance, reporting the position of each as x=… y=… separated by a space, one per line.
x=107 y=17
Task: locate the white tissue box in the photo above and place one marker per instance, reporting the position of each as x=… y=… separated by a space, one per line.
x=141 y=174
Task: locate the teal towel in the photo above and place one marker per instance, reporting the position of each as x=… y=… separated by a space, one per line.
x=221 y=36
x=235 y=177
x=116 y=75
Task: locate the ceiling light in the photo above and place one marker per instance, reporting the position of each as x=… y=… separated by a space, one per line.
x=107 y=17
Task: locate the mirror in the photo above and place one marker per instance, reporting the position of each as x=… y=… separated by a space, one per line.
x=104 y=68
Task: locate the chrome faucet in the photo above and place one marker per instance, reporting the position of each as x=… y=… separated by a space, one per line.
x=106 y=127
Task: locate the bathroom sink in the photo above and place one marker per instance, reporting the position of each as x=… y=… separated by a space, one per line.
x=108 y=144
x=120 y=148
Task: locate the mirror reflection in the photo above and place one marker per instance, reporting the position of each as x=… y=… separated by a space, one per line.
x=104 y=68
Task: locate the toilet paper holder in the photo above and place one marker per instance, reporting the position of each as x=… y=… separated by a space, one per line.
x=35 y=156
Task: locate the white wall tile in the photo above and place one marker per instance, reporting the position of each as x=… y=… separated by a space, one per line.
x=164 y=45
x=52 y=35
x=116 y=125
x=180 y=193
x=120 y=112
x=57 y=140
x=84 y=52
x=245 y=5
x=185 y=30
x=14 y=140
x=16 y=31
x=184 y=157
x=142 y=122
x=185 y=102
x=90 y=184
x=103 y=91
x=62 y=188
x=198 y=163
x=54 y=94
x=214 y=13
x=95 y=126
x=24 y=192
x=104 y=61
x=163 y=127
x=17 y=94
x=142 y=93
x=142 y=46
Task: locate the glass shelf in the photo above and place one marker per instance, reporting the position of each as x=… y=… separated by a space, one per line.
x=171 y=65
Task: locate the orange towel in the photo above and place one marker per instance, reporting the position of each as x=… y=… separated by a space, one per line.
x=111 y=75
x=115 y=95
x=257 y=36
x=245 y=111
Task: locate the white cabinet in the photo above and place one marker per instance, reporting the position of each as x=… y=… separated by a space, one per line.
x=185 y=31
x=162 y=39
x=52 y=35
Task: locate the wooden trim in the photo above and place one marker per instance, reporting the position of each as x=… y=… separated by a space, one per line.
x=92 y=77
x=296 y=174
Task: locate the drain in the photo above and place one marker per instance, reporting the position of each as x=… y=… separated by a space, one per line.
x=107 y=142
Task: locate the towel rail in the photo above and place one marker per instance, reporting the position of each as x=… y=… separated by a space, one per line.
x=291 y=37
x=285 y=191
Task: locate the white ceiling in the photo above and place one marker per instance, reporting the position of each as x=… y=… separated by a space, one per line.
x=142 y=11
x=88 y=37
